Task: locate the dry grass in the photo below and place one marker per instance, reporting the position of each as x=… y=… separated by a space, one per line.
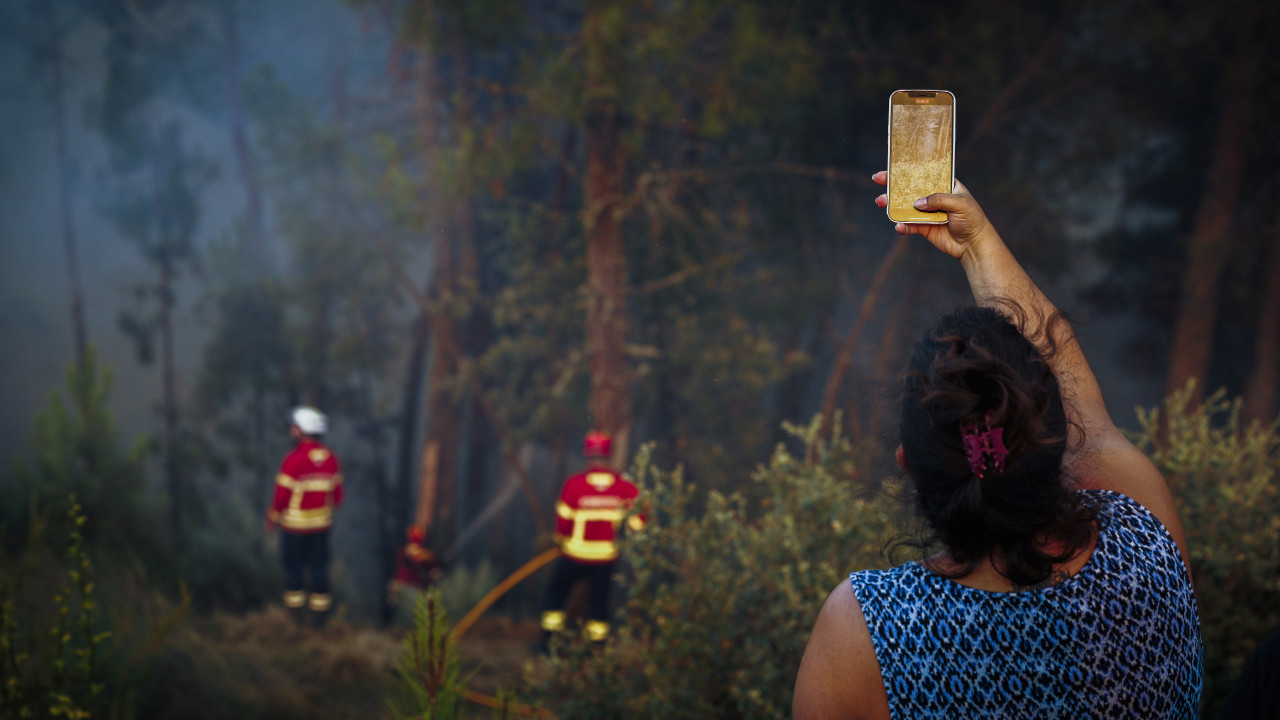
x=261 y=665
x=496 y=654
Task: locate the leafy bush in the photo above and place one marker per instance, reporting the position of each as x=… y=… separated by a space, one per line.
x=462 y=587
x=719 y=605
x=1224 y=478
x=52 y=668
x=225 y=563
x=431 y=679
x=76 y=453
x=429 y=668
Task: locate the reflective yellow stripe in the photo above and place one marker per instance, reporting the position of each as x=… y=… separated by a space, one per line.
x=295 y=598
x=315 y=485
x=613 y=515
x=601 y=481
x=553 y=620
x=636 y=523
x=590 y=549
x=563 y=510
x=597 y=629
x=284 y=481
x=319 y=602
x=577 y=546
x=297 y=519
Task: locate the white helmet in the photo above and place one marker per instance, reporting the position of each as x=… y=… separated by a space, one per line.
x=310 y=420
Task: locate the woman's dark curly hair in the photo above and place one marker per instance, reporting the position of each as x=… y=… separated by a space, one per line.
x=975 y=367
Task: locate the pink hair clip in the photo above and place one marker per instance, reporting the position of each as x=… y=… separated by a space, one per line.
x=984 y=448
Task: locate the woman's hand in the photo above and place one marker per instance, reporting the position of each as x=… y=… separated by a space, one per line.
x=966 y=223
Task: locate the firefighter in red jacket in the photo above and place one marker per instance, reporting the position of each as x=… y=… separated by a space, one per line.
x=589 y=516
x=308 y=489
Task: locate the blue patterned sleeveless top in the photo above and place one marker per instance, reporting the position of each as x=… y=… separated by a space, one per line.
x=1119 y=639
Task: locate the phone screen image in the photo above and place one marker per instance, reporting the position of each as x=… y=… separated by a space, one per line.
x=921 y=151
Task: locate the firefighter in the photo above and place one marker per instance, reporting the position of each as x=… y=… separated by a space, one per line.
x=308 y=489
x=589 y=516
x=417 y=568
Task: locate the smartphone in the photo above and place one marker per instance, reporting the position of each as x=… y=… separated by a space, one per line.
x=922 y=151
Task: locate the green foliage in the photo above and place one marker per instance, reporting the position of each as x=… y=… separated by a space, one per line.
x=75 y=452
x=720 y=604
x=225 y=563
x=429 y=668
x=1224 y=477
x=720 y=370
x=53 y=670
x=462 y=587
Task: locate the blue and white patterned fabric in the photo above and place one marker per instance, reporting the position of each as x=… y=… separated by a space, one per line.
x=1119 y=639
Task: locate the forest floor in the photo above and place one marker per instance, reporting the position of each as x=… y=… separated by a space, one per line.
x=260 y=664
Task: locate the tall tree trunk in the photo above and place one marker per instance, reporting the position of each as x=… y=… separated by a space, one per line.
x=473 y=330
x=1261 y=387
x=323 y=282
x=610 y=404
x=245 y=164
x=170 y=401
x=1210 y=241
x=79 y=328
x=407 y=470
x=443 y=430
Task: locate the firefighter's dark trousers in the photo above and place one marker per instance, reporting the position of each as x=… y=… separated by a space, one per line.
x=306 y=573
x=566 y=574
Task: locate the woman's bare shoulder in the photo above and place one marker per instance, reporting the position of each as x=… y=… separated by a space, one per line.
x=839 y=675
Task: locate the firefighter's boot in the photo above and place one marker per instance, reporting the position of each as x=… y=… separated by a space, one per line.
x=295 y=602
x=597 y=633
x=320 y=605
x=552 y=623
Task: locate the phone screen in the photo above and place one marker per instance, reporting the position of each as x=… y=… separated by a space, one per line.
x=921 y=151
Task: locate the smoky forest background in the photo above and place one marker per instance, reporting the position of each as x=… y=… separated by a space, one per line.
x=489 y=226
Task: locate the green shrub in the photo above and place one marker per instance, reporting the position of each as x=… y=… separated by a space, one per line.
x=1224 y=478
x=51 y=667
x=719 y=602
x=224 y=561
x=75 y=452
x=429 y=668
x=719 y=605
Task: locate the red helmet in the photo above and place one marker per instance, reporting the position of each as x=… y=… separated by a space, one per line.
x=597 y=444
x=416 y=534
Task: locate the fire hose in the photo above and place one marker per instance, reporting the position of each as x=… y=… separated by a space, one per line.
x=474 y=614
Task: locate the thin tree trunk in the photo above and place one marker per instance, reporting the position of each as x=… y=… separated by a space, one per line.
x=844 y=360
x=473 y=331
x=441 y=320
x=322 y=328
x=610 y=403
x=410 y=397
x=1210 y=243
x=79 y=328
x=1261 y=388
x=245 y=164
x=170 y=401
x=442 y=428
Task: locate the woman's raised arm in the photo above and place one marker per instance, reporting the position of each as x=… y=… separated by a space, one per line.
x=1105 y=459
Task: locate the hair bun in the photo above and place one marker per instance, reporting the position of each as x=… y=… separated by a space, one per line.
x=984 y=432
